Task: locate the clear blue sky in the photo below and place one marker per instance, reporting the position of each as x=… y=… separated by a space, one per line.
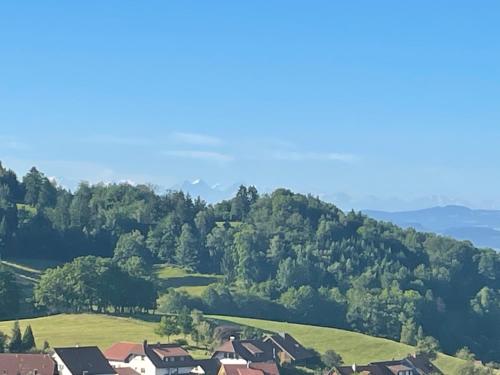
x=399 y=100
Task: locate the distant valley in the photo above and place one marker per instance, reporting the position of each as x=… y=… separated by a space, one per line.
x=481 y=227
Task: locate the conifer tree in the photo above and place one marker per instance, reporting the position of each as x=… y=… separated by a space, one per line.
x=186 y=253
x=28 y=340
x=16 y=343
x=3 y=342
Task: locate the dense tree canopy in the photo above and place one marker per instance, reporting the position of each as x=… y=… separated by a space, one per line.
x=285 y=255
x=9 y=294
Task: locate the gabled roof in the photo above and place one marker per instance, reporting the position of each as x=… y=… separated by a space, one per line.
x=120 y=351
x=269 y=368
x=289 y=345
x=249 y=350
x=126 y=371
x=87 y=359
x=252 y=369
x=157 y=353
x=26 y=364
x=421 y=364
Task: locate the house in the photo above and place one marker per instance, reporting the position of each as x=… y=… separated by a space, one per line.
x=86 y=360
x=239 y=352
x=208 y=366
x=411 y=365
x=288 y=350
x=27 y=364
x=259 y=368
x=151 y=359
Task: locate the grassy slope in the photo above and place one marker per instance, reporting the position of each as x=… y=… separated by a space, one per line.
x=91 y=329
x=353 y=347
x=103 y=330
x=27 y=273
x=181 y=279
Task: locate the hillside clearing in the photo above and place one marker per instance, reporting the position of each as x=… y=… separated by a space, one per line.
x=183 y=280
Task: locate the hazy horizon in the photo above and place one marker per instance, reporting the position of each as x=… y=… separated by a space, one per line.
x=382 y=106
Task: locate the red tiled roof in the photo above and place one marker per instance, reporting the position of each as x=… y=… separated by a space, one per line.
x=25 y=364
x=249 y=371
x=259 y=368
x=125 y=371
x=122 y=350
x=157 y=353
x=269 y=368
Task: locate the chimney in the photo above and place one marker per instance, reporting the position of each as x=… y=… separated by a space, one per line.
x=145 y=343
x=353 y=367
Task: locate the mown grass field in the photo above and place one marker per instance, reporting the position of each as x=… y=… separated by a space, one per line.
x=183 y=280
x=103 y=330
x=92 y=329
x=353 y=347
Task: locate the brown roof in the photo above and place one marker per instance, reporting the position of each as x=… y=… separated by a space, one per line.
x=249 y=350
x=252 y=369
x=26 y=364
x=292 y=347
x=157 y=353
x=120 y=351
x=125 y=371
x=166 y=351
x=248 y=371
x=252 y=348
x=269 y=368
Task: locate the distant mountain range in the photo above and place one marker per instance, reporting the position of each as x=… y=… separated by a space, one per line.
x=209 y=193
x=481 y=227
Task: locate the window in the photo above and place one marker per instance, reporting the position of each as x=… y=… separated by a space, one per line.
x=143 y=370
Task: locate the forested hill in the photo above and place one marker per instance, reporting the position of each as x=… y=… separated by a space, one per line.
x=303 y=259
